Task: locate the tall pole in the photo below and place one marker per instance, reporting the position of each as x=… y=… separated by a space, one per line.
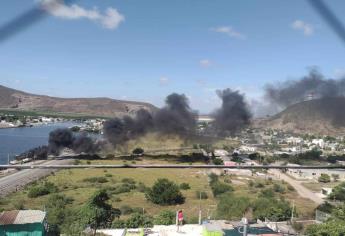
x=199 y=207
x=8 y=158
x=293 y=208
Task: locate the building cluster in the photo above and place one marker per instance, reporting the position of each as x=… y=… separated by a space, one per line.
x=12 y=121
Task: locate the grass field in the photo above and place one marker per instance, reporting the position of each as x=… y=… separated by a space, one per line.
x=72 y=184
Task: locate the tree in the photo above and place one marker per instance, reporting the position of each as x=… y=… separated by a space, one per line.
x=324 y=178
x=165 y=217
x=97 y=212
x=165 y=192
x=57 y=212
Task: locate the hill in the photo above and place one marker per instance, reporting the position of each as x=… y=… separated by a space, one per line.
x=325 y=116
x=103 y=107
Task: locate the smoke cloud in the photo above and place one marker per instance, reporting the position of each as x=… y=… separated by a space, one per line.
x=176 y=116
x=64 y=138
x=233 y=114
x=312 y=86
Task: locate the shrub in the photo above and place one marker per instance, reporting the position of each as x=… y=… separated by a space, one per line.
x=324 y=178
x=139 y=220
x=165 y=217
x=267 y=193
x=338 y=192
x=165 y=192
x=118 y=224
x=141 y=187
x=138 y=151
x=184 y=186
x=278 y=188
x=218 y=161
x=42 y=189
x=274 y=210
x=231 y=207
x=122 y=189
x=126 y=210
x=220 y=188
x=201 y=195
x=108 y=175
x=96 y=180
x=128 y=181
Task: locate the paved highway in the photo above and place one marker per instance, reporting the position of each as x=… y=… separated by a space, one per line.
x=18 y=180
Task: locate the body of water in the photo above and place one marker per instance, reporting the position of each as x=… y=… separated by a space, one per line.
x=14 y=141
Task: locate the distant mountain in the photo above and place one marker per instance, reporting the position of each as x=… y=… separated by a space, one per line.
x=105 y=107
x=324 y=116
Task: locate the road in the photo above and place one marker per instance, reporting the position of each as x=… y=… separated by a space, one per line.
x=18 y=180
x=301 y=190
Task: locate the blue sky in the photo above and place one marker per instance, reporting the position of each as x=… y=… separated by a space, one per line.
x=144 y=50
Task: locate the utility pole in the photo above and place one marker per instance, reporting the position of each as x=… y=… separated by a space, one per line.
x=8 y=158
x=292 y=212
x=199 y=207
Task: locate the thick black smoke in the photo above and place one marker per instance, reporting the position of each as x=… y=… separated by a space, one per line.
x=312 y=86
x=64 y=138
x=84 y=144
x=37 y=153
x=59 y=139
x=118 y=131
x=176 y=116
x=233 y=114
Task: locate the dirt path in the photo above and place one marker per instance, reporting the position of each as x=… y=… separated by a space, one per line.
x=301 y=190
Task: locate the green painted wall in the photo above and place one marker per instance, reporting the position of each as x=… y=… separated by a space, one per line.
x=36 y=229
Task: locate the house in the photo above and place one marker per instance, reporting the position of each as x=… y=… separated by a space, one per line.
x=22 y=223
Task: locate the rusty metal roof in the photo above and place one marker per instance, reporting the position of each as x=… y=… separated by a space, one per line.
x=22 y=217
x=8 y=217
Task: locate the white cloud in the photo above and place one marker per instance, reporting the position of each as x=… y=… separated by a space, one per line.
x=229 y=31
x=163 y=80
x=205 y=63
x=305 y=27
x=110 y=19
x=339 y=73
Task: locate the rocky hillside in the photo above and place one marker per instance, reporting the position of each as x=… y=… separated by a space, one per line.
x=320 y=116
x=18 y=100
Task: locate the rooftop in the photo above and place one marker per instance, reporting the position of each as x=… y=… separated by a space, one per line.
x=17 y=217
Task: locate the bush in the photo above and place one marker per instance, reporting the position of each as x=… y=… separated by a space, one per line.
x=141 y=187
x=42 y=189
x=128 y=181
x=126 y=210
x=324 y=178
x=220 y=188
x=274 y=210
x=201 y=195
x=184 y=186
x=108 y=175
x=165 y=217
x=138 y=151
x=218 y=161
x=139 y=220
x=278 y=188
x=96 y=180
x=267 y=193
x=231 y=207
x=123 y=188
x=338 y=192
x=119 y=224
x=165 y=192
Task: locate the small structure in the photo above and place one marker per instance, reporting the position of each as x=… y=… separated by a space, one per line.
x=22 y=223
x=326 y=191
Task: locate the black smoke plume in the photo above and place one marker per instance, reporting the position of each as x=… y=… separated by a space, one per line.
x=233 y=114
x=176 y=116
x=37 y=153
x=84 y=144
x=312 y=86
x=65 y=138
x=59 y=139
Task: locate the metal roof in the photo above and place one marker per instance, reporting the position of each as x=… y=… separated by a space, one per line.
x=22 y=217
